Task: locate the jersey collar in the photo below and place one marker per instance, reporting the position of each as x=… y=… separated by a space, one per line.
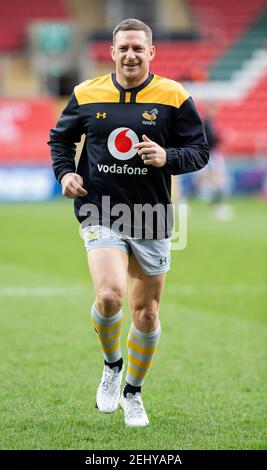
x=132 y=91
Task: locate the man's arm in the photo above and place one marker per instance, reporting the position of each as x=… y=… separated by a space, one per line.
x=68 y=130
x=190 y=151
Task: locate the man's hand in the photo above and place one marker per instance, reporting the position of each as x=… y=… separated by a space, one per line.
x=72 y=186
x=151 y=153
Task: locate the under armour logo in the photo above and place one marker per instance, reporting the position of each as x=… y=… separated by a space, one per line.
x=163 y=261
x=101 y=115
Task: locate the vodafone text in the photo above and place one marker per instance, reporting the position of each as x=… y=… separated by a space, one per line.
x=122 y=170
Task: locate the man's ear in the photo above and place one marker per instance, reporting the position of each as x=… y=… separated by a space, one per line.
x=152 y=52
x=112 y=53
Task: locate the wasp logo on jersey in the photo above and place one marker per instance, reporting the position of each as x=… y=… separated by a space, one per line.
x=101 y=115
x=150 y=117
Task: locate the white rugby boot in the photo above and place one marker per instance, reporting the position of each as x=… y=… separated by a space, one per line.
x=134 y=411
x=108 y=392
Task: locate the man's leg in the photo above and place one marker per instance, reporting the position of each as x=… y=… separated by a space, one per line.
x=108 y=267
x=144 y=294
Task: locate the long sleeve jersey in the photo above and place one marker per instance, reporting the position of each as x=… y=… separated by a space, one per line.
x=113 y=120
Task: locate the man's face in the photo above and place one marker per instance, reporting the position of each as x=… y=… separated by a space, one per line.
x=132 y=54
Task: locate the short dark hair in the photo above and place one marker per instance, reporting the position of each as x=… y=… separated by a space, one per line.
x=133 y=24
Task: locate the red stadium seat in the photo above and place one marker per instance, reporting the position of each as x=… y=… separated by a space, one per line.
x=245 y=124
x=17 y=14
x=24 y=127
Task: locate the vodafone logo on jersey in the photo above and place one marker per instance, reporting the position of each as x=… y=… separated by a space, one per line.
x=121 y=143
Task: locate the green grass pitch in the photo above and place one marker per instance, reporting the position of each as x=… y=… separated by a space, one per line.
x=207 y=387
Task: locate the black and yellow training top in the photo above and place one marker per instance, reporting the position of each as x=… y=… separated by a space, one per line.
x=113 y=120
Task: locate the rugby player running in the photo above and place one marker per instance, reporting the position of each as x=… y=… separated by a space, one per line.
x=150 y=123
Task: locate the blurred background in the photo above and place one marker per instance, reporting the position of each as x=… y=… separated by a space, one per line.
x=218 y=50
x=209 y=379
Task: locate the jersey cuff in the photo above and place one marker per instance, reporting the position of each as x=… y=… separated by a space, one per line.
x=63 y=173
x=171 y=159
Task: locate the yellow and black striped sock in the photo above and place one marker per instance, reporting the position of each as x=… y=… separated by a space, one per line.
x=141 y=351
x=108 y=330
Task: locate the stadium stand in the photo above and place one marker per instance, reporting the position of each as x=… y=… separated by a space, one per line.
x=244 y=123
x=17 y=14
x=226 y=20
x=24 y=125
x=253 y=38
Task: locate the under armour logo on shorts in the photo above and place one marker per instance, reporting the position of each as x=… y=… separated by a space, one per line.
x=163 y=260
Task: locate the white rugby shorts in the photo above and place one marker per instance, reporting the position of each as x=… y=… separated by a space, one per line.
x=152 y=255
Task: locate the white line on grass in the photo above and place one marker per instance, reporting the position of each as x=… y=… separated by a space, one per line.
x=40 y=291
x=217 y=289
x=13 y=291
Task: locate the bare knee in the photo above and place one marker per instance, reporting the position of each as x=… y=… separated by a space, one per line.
x=146 y=319
x=109 y=301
